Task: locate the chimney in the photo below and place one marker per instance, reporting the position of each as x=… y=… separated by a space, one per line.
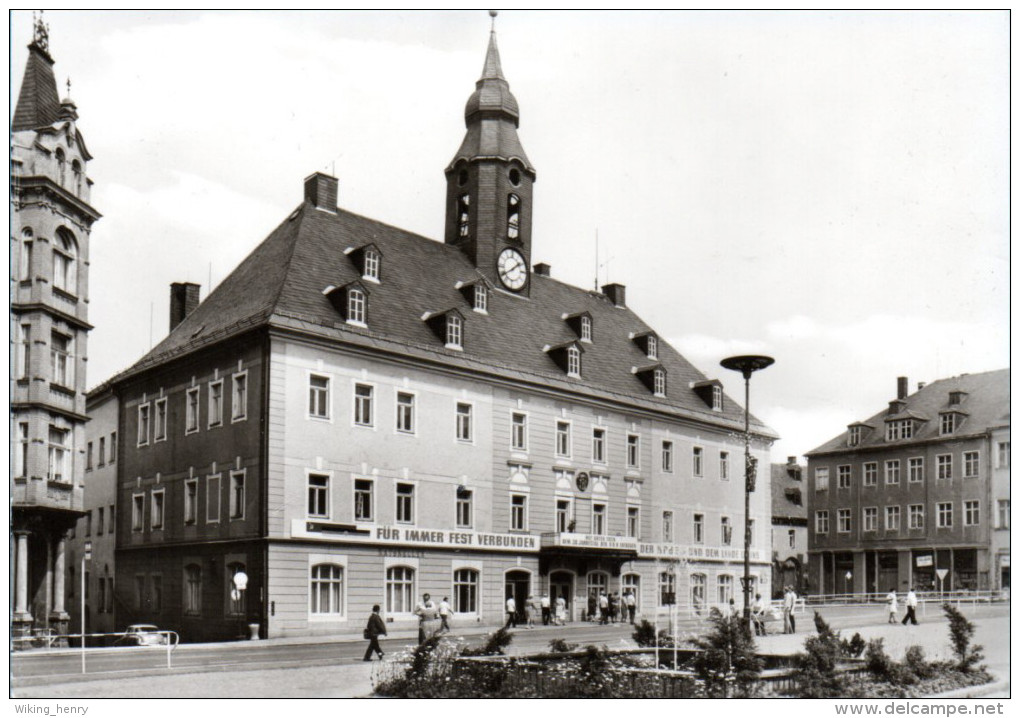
x=791 y=460
x=901 y=387
x=617 y=294
x=544 y=269
x=321 y=191
x=184 y=297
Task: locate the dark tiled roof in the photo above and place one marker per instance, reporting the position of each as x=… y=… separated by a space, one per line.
x=38 y=104
x=281 y=284
x=986 y=405
x=783 y=488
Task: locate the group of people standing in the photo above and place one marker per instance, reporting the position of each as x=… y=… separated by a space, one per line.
x=910 y=601
x=551 y=612
x=606 y=608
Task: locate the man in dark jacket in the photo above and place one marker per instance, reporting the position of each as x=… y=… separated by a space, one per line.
x=373 y=630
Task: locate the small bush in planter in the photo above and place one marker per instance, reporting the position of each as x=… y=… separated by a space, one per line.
x=960 y=632
x=560 y=645
x=727 y=653
x=817 y=677
x=644 y=633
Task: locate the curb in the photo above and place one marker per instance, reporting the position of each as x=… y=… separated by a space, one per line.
x=1000 y=684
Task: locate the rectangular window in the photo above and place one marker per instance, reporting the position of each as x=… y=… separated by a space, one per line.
x=60 y=451
x=518 y=512
x=156 y=519
x=563 y=439
x=113 y=446
x=843 y=477
x=916 y=516
x=667 y=588
x=724 y=465
x=598 y=519
x=822 y=478
x=143 y=425
x=191 y=420
x=237 y=494
x=699 y=528
x=159 y=433
x=696 y=460
x=1003 y=506
x=892 y=471
x=318 y=396
x=318 y=497
x=239 y=397
x=88 y=523
x=871 y=473
x=362 y=405
x=971 y=513
x=843 y=521
x=870 y=518
x=971 y=460
x=792 y=535
x=454 y=331
x=947 y=424
x=598 y=446
x=405 y=503
x=190 y=501
x=156 y=593
x=212 y=499
x=945 y=466
x=464 y=422
x=113 y=523
x=102 y=451
x=633 y=521
x=854 y=436
x=726 y=530
x=405 y=412
x=88 y=457
x=667 y=457
x=717 y=398
x=1002 y=455
x=892 y=518
x=519 y=431
x=481 y=298
x=464 y=512
x=667 y=526
x=945 y=515
x=364 y=504
x=21 y=467
x=916 y=469
x=137 y=512
x=216 y=403
x=821 y=522
x=25 y=265
x=100 y=516
x=900 y=429
x=355 y=306
x=25 y=352
x=562 y=516
x=633 y=451
x=61 y=359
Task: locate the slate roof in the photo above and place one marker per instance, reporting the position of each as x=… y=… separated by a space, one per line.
x=280 y=284
x=38 y=103
x=783 y=485
x=986 y=406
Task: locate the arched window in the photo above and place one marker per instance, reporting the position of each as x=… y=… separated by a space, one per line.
x=667 y=588
x=193 y=589
x=725 y=588
x=598 y=581
x=76 y=171
x=356 y=306
x=61 y=166
x=235 y=596
x=65 y=251
x=513 y=216
x=464 y=215
x=327 y=589
x=632 y=583
x=465 y=590
x=573 y=361
x=698 y=591
x=25 y=260
x=399 y=589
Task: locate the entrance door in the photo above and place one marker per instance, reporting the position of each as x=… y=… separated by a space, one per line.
x=518 y=585
x=561 y=583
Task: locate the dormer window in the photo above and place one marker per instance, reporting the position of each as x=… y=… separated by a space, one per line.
x=653 y=377
x=356 y=306
x=481 y=297
x=956 y=397
x=585 y=329
x=653 y=347
x=899 y=429
x=717 y=398
x=567 y=357
x=854 y=436
x=513 y=216
x=710 y=392
x=368 y=259
x=371 y=270
x=581 y=324
x=351 y=301
x=573 y=361
x=464 y=215
x=454 y=331
x=947 y=423
x=660 y=382
x=448 y=327
x=648 y=342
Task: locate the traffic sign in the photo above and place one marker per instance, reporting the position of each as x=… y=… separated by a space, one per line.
x=941 y=573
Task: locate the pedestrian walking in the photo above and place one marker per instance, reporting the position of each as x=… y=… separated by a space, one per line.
x=546 y=609
x=427 y=613
x=511 y=613
x=561 y=611
x=890 y=599
x=911 y=602
x=603 y=608
x=529 y=612
x=444 y=615
x=631 y=604
x=375 y=628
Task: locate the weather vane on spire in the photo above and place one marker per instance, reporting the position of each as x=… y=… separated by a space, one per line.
x=493 y=14
x=69 y=86
x=42 y=32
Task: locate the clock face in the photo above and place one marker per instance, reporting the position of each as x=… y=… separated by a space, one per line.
x=513 y=270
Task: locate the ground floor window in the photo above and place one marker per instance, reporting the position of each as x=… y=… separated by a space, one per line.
x=465 y=591
x=399 y=589
x=193 y=589
x=235 y=602
x=725 y=586
x=667 y=588
x=698 y=582
x=632 y=583
x=327 y=589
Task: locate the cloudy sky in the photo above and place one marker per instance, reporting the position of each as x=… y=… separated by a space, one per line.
x=829 y=188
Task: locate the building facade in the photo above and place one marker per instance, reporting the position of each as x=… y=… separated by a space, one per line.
x=917 y=495
x=789 y=528
x=360 y=415
x=51 y=219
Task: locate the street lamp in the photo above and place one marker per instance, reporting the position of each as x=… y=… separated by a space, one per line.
x=747 y=365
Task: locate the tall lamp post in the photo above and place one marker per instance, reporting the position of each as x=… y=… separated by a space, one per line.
x=747 y=365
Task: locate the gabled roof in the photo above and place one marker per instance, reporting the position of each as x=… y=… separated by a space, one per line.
x=986 y=406
x=280 y=285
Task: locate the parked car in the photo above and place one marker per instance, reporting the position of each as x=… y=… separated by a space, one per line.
x=141 y=634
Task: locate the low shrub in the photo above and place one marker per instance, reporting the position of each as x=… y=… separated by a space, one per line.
x=854 y=647
x=560 y=645
x=494 y=644
x=644 y=633
x=884 y=668
x=916 y=663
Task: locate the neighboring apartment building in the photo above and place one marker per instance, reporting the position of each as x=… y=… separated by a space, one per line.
x=51 y=219
x=789 y=528
x=918 y=490
x=358 y=415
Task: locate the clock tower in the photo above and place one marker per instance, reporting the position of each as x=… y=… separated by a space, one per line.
x=489 y=184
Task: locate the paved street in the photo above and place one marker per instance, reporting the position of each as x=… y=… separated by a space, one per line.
x=331 y=669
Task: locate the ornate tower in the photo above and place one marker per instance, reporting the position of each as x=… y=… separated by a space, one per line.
x=51 y=219
x=489 y=183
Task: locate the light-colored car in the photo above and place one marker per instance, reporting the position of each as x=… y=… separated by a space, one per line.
x=141 y=634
